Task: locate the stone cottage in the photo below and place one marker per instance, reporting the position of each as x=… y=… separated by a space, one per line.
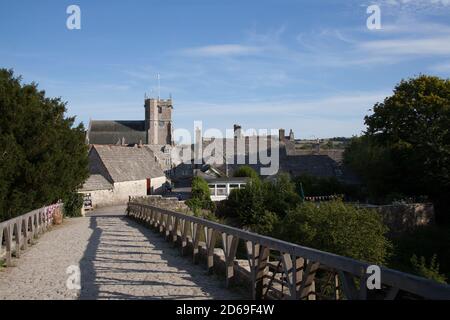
x=117 y=172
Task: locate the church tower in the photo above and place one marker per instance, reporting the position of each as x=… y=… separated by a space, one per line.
x=158 y=121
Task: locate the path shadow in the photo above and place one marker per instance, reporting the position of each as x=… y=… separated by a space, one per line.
x=105 y=274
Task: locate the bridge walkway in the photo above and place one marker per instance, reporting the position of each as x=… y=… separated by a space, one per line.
x=117 y=259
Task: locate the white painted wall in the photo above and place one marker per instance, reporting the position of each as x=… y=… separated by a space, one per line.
x=122 y=190
x=158 y=184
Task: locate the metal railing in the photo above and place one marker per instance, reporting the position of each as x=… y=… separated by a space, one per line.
x=18 y=233
x=284 y=270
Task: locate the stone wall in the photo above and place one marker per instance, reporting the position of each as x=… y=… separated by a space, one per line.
x=121 y=192
x=161 y=202
x=405 y=217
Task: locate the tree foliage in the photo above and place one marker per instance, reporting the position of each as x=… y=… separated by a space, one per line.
x=429 y=271
x=201 y=197
x=406 y=147
x=246 y=171
x=43 y=157
x=338 y=228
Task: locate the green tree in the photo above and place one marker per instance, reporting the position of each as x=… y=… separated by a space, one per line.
x=318 y=186
x=201 y=196
x=246 y=171
x=338 y=228
x=408 y=139
x=281 y=195
x=247 y=204
x=43 y=156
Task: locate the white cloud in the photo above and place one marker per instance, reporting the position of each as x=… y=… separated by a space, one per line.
x=424 y=46
x=350 y=104
x=338 y=115
x=222 y=50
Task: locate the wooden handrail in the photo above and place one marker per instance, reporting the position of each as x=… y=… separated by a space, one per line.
x=19 y=232
x=306 y=259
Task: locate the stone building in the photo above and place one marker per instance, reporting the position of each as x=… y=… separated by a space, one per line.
x=117 y=172
x=155 y=129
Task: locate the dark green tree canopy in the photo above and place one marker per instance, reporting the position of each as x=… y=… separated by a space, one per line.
x=406 y=147
x=43 y=157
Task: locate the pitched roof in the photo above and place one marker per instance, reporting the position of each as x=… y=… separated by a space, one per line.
x=128 y=163
x=110 y=132
x=96 y=182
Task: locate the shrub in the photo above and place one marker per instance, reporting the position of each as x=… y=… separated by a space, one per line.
x=281 y=195
x=246 y=171
x=201 y=197
x=266 y=223
x=430 y=271
x=247 y=204
x=338 y=228
x=422 y=241
x=73 y=204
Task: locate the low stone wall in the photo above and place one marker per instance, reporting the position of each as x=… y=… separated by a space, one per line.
x=402 y=218
x=159 y=201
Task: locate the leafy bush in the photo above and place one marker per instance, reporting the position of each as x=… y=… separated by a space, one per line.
x=281 y=195
x=430 y=271
x=247 y=204
x=246 y=171
x=338 y=228
x=325 y=186
x=73 y=204
x=423 y=241
x=266 y=223
x=201 y=197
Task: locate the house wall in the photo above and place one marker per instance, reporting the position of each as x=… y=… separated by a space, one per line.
x=122 y=190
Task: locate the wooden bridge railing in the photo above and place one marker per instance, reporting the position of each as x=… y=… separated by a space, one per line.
x=283 y=270
x=17 y=233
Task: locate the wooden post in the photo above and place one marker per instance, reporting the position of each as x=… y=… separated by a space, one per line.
x=184 y=237
x=169 y=226
x=8 y=240
x=230 y=244
x=211 y=238
x=17 y=227
x=175 y=230
x=25 y=233
x=307 y=286
x=195 y=241
x=258 y=257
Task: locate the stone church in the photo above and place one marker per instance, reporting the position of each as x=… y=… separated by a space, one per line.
x=155 y=130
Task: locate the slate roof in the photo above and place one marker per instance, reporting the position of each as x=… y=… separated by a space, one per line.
x=96 y=182
x=128 y=163
x=112 y=131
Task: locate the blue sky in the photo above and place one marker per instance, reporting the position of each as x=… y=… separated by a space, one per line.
x=312 y=66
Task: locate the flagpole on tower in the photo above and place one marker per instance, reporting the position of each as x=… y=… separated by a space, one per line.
x=159 y=85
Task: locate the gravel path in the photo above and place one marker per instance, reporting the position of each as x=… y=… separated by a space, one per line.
x=118 y=259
